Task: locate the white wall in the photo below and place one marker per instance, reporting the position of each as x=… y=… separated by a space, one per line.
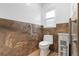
x=32 y=13
x=21 y=12
x=63 y=11
x=74 y=15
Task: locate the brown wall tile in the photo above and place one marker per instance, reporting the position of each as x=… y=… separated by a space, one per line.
x=16 y=38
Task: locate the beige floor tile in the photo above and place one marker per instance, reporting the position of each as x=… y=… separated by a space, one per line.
x=37 y=53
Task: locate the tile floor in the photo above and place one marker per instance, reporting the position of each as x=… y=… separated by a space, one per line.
x=37 y=53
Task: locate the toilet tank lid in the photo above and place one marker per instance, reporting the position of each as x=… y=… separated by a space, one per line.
x=48 y=38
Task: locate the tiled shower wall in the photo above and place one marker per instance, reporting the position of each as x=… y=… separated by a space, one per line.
x=19 y=38
x=60 y=28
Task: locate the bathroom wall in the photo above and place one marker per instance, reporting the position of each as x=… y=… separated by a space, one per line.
x=74 y=18
x=62 y=14
x=74 y=27
x=60 y=28
x=24 y=12
x=18 y=38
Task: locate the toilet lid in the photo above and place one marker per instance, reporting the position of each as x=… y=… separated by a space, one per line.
x=43 y=43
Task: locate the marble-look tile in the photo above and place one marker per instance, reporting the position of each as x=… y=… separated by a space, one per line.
x=18 y=38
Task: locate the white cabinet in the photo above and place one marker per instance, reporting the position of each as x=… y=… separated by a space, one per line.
x=63 y=40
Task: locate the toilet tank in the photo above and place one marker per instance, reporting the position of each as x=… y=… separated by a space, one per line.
x=48 y=38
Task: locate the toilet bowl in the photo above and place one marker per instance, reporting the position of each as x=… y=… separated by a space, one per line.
x=44 y=45
x=44 y=48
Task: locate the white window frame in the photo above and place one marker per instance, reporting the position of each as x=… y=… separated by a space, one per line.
x=46 y=19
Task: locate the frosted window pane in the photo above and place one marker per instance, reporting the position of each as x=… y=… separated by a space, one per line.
x=50 y=14
x=50 y=23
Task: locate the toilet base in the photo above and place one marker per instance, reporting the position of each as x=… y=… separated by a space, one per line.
x=44 y=52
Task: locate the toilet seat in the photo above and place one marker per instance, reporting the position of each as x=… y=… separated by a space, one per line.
x=44 y=43
x=44 y=48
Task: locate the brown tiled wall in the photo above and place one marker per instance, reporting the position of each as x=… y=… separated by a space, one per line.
x=18 y=38
x=60 y=28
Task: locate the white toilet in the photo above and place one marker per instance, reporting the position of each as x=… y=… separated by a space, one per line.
x=44 y=45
